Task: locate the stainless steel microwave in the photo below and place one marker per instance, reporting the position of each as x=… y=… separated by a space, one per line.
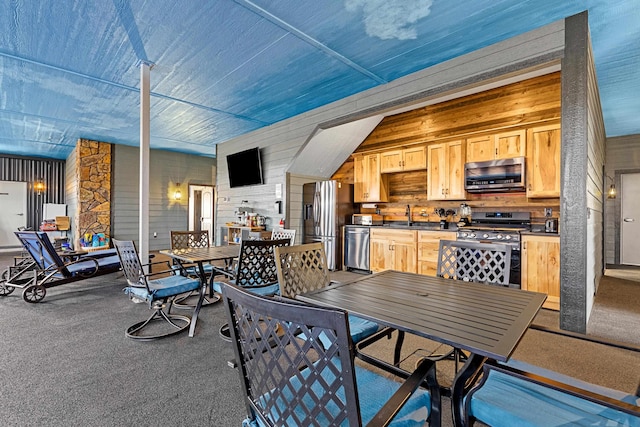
x=495 y=175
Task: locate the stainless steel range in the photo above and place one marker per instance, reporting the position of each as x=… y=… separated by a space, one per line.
x=499 y=227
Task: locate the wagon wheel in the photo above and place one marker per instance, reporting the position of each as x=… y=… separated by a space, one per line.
x=34 y=293
x=4 y=288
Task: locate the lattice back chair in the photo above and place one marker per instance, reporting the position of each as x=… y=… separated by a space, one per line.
x=284 y=233
x=488 y=263
x=189 y=239
x=303 y=268
x=474 y=261
x=159 y=293
x=289 y=380
x=256 y=271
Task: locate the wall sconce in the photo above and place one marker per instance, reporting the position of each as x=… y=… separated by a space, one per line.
x=38 y=187
x=611 y=193
x=177 y=195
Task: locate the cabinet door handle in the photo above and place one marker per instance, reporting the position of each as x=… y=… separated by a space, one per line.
x=443 y=191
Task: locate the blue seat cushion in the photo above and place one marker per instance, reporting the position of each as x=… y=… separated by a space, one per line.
x=505 y=400
x=88 y=266
x=268 y=290
x=361 y=328
x=164 y=287
x=374 y=391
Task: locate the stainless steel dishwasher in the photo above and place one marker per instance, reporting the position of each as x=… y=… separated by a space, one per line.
x=356 y=248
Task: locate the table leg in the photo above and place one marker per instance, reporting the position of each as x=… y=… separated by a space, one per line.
x=203 y=291
x=463 y=380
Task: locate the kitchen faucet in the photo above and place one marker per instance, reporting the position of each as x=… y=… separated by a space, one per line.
x=408 y=214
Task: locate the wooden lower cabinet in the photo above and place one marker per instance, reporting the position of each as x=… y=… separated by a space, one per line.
x=392 y=249
x=428 y=246
x=541 y=267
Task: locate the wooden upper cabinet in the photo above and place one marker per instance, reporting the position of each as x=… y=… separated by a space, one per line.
x=408 y=159
x=503 y=145
x=510 y=144
x=445 y=173
x=480 y=148
x=543 y=161
x=369 y=184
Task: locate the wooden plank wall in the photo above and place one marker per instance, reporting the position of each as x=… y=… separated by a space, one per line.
x=165 y=214
x=595 y=181
x=528 y=103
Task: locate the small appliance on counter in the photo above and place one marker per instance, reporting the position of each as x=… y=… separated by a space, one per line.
x=551 y=225
x=366 y=219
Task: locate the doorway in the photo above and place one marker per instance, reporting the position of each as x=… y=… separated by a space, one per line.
x=201 y=209
x=629 y=219
x=13 y=197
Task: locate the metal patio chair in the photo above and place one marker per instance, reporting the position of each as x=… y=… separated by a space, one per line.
x=158 y=292
x=256 y=271
x=303 y=268
x=284 y=233
x=472 y=262
x=289 y=378
x=187 y=240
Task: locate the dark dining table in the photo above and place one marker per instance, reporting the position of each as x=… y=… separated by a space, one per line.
x=200 y=256
x=487 y=321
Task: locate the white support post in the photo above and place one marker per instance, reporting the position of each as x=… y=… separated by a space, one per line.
x=145 y=101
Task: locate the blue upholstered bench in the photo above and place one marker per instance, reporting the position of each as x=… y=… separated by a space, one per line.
x=519 y=394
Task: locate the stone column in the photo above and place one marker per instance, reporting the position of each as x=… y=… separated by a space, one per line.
x=93 y=169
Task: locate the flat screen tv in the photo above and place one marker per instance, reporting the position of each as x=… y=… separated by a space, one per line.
x=245 y=168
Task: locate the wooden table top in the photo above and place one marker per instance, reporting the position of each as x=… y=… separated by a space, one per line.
x=213 y=253
x=484 y=319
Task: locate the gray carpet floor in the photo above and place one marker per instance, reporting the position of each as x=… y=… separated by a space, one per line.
x=66 y=361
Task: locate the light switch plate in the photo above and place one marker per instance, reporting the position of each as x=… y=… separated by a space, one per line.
x=547 y=212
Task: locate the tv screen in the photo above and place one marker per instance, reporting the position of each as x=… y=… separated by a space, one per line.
x=245 y=168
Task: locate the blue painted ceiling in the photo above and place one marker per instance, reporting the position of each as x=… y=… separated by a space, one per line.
x=69 y=69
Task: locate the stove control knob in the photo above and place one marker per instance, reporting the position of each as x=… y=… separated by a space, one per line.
x=499 y=237
x=485 y=236
x=507 y=237
x=472 y=235
x=464 y=234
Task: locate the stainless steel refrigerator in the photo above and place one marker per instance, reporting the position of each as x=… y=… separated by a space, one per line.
x=328 y=206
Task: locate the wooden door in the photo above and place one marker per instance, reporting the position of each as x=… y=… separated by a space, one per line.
x=543 y=161
x=391 y=161
x=455 y=172
x=510 y=144
x=541 y=267
x=480 y=148
x=380 y=256
x=414 y=158
x=437 y=171
x=373 y=180
x=359 y=179
x=404 y=256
